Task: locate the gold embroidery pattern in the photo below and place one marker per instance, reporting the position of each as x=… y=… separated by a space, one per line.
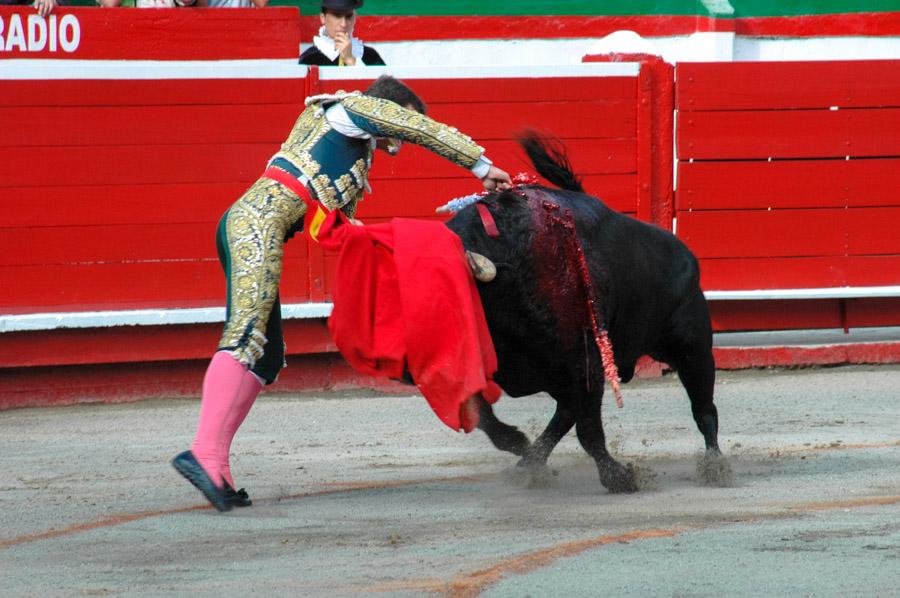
x=308 y=131
x=255 y=227
x=360 y=170
x=325 y=192
x=344 y=182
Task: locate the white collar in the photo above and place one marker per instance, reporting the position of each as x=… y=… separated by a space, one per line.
x=326 y=45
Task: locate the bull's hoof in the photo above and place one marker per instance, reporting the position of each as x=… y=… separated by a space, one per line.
x=713 y=469
x=645 y=478
x=618 y=479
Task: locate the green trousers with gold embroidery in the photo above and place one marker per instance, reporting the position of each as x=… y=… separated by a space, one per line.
x=250 y=243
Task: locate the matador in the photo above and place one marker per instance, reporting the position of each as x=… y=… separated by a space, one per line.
x=322 y=166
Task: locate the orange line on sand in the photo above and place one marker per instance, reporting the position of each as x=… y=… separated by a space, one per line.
x=875 y=501
x=85 y=527
x=129 y=517
x=840 y=445
x=470 y=585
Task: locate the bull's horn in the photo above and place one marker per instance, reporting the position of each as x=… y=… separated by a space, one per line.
x=483 y=268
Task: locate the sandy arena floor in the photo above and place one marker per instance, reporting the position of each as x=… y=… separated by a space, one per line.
x=359 y=495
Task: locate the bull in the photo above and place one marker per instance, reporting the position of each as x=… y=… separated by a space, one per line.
x=644 y=287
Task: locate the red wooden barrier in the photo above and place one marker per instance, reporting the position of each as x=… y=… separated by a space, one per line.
x=113 y=175
x=788 y=178
x=656 y=102
x=119 y=182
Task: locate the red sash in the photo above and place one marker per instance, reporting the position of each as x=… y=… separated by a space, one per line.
x=315 y=211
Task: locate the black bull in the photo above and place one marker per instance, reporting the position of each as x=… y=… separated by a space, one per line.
x=645 y=289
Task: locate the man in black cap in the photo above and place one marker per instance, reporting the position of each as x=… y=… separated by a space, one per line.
x=335 y=44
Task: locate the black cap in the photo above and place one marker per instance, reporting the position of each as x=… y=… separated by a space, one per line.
x=341 y=5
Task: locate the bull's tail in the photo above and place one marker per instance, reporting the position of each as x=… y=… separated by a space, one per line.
x=550 y=160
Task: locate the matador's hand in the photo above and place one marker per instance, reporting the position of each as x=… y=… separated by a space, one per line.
x=496 y=180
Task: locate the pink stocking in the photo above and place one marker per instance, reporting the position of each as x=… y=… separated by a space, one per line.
x=246 y=396
x=221 y=389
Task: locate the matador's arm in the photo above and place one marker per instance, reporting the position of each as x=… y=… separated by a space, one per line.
x=383 y=118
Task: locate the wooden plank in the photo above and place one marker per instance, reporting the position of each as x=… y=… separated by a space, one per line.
x=133 y=164
x=117 y=204
x=773 y=273
x=503 y=120
x=799 y=273
x=106 y=244
x=394 y=197
x=146 y=125
x=134 y=242
x=807 y=314
x=206 y=202
x=86 y=287
x=150 y=92
x=873 y=312
x=777 y=233
x=873 y=270
x=772 y=85
x=147 y=344
x=736 y=316
x=566 y=89
x=244 y=162
x=788 y=184
x=759 y=134
x=873 y=231
x=588 y=157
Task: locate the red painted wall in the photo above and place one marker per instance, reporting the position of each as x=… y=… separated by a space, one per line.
x=788 y=177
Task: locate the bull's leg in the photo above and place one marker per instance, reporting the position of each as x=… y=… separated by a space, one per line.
x=690 y=353
x=614 y=476
x=698 y=376
x=503 y=436
x=560 y=424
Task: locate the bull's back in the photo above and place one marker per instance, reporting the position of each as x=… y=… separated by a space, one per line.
x=639 y=273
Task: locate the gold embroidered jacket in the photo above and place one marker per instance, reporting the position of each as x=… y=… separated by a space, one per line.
x=337 y=165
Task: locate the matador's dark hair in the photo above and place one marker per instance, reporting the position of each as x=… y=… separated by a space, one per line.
x=395 y=90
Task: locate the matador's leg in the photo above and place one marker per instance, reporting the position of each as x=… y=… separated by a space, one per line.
x=251 y=238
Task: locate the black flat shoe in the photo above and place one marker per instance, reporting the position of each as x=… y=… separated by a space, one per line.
x=237 y=498
x=188 y=466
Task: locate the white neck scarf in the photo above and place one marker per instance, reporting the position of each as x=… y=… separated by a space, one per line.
x=326 y=45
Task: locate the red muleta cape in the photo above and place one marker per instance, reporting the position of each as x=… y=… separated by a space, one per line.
x=403 y=294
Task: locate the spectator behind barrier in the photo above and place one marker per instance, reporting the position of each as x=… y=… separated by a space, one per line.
x=44 y=7
x=174 y=3
x=335 y=44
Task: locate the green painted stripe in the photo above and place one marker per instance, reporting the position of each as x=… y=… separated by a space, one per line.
x=742 y=8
